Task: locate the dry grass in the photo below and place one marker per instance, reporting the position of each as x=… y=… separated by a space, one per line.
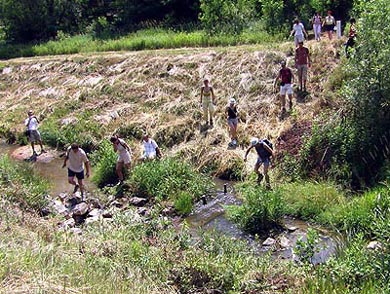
x=159 y=91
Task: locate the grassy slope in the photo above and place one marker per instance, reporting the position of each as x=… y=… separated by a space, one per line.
x=158 y=91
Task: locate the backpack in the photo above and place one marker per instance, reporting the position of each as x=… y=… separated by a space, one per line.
x=269 y=144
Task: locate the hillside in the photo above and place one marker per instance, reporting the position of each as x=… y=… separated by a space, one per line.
x=93 y=96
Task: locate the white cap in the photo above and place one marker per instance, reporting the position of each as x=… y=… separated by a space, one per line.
x=254 y=141
x=232 y=100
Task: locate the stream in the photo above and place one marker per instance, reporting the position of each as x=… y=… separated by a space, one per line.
x=207 y=214
x=211 y=216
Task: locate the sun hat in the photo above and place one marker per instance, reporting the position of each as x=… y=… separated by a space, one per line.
x=232 y=100
x=254 y=141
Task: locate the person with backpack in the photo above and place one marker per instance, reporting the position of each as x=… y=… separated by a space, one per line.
x=232 y=120
x=124 y=157
x=76 y=159
x=285 y=77
x=298 y=31
x=329 y=23
x=32 y=132
x=151 y=149
x=317 y=25
x=264 y=151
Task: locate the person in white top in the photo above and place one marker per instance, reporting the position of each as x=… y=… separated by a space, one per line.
x=32 y=132
x=124 y=156
x=76 y=159
x=329 y=23
x=299 y=32
x=151 y=149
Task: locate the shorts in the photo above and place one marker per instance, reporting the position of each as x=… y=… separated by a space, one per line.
x=302 y=68
x=329 y=28
x=287 y=88
x=266 y=161
x=34 y=136
x=124 y=157
x=298 y=39
x=150 y=155
x=79 y=175
x=232 y=122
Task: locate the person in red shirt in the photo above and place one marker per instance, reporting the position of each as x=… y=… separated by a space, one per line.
x=351 y=37
x=302 y=63
x=285 y=77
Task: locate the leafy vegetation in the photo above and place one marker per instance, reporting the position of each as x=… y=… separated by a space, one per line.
x=167 y=179
x=19 y=184
x=104 y=161
x=262 y=209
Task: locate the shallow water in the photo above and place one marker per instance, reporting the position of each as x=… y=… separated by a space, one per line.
x=48 y=165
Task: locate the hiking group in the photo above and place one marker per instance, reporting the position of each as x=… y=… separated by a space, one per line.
x=77 y=161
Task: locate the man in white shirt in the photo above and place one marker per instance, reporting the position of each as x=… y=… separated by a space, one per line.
x=76 y=158
x=32 y=132
x=151 y=149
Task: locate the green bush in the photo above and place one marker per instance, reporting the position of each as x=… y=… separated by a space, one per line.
x=261 y=210
x=19 y=183
x=164 y=179
x=183 y=203
x=104 y=161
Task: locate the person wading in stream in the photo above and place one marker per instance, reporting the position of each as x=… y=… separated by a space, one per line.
x=32 y=132
x=77 y=159
x=264 y=152
x=124 y=157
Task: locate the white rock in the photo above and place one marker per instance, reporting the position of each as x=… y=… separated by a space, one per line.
x=80 y=209
x=284 y=242
x=269 y=242
x=374 y=245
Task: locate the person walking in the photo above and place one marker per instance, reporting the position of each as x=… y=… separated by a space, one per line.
x=302 y=63
x=151 y=149
x=286 y=78
x=329 y=23
x=317 y=25
x=77 y=159
x=32 y=132
x=264 y=152
x=124 y=157
x=232 y=120
x=207 y=101
x=298 y=31
x=351 y=37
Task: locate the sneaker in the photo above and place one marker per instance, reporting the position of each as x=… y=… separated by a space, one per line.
x=76 y=187
x=234 y=142
x=260 y=178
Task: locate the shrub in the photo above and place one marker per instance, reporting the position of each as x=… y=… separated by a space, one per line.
x=164 y=179
x=20 y=184
x=261 y=210
x=104 y=161
x=183 y=203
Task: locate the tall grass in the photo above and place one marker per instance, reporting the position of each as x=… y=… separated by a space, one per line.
x=166 y=179
x=261 y=210
x=141 y=40
x=19 y=184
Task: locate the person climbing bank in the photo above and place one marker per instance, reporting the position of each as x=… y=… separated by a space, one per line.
x=207 y=101
x=264 y=152
x=124 y=156
x=232 y=120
